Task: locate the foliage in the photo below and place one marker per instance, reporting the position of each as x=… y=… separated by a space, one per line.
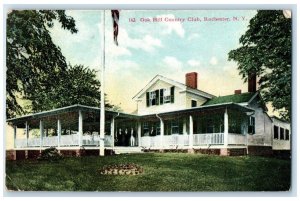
x=162 y=172
x=266 y=50
x=34 y=63
x=50 y=154
x=78 y=85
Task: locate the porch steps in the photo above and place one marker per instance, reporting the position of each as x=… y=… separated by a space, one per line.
x=127 y=150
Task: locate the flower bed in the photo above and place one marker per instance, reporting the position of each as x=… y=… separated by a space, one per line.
x=122 y=169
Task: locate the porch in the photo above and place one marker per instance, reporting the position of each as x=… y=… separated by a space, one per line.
x=78 y=126
x=177 y=141
x=150 y=142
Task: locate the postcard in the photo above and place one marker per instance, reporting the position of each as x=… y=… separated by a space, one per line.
x=148 y=100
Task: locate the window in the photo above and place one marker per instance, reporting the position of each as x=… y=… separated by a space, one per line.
x=287 y=134
x=145 y=129
x=160 y=96
x=251 y=127
x=194 y=103
x=281 y=134
x=276 y=132
x=158 y=129
x=210 y=126
x=174 y=127
x=151 y=128
x=167 y=95
x=152 y=98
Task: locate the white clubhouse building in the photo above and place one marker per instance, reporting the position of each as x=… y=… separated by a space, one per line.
x=170 y=116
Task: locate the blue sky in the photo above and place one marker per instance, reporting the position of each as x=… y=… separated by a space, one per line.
x=150 y=48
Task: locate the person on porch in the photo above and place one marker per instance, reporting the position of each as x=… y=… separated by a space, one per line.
x=123 y=139
x=152 y=132
x=119 y=137
x=127 y=138
x=132 y=138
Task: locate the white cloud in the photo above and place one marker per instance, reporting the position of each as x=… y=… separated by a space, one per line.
x=147 y=43
x=172 y=63
x=213 y=61
x=171 y=26
x=193 y=36
x=193 y=62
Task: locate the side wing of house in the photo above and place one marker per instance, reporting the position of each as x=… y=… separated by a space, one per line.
x=194 y=100
x=281 y=134
x=262 y=134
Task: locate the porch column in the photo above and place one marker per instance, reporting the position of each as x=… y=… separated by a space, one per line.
x=184 y=131
x=80 y=128
x=162 y=126
x=226 y=128
x=41 y=133
x=112 y=131
x=15 y=135
x=139 y=130
x=27 y=133
x=191 y=136
x=58 y=132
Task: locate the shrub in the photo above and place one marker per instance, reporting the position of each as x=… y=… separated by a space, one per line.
x=50 y=154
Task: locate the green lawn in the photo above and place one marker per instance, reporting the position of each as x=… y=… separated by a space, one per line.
x=162 y=172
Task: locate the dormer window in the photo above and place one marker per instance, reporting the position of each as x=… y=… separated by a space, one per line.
x=153 y=97
x=167 y=95
x=160 y=96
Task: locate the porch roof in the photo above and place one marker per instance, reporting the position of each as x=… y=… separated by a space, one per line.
x=207 y=108
x=72 y=108
x=235 y=98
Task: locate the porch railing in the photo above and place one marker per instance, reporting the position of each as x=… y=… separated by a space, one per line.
x=65 y=140
x=208 y=139
x=69 y=140
x=176 y=140
x=20 y=143
x=167 y=141
x=34 y=142
x=50 y=141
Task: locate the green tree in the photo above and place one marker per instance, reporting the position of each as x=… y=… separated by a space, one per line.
x=34 y=63
x=266 y=50
x=78 y=85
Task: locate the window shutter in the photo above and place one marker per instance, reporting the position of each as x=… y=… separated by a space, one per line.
x=172 y=94
x=147 y=99
x=253 y=125
x=157 y=97
x=161 y=96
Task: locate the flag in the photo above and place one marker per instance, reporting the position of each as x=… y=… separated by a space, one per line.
x=287 y=13
x=115 y=17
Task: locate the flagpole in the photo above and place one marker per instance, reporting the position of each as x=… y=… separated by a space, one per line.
x=102 y=106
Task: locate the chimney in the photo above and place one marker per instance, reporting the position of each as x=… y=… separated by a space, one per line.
x=191 y=80
x=252 y=82
x=238 y=91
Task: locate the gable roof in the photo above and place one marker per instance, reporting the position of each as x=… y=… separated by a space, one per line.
x=278 y=119
x=175 y=83
x=235 y=98
x=70 y=108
